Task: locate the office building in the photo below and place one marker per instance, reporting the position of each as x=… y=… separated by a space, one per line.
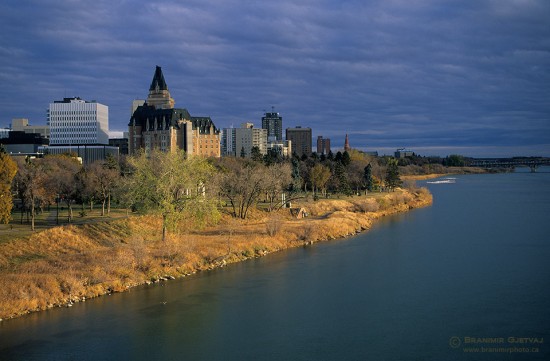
x=21 y=143
x=301 y=140
x=76 y=121
x=87 y=153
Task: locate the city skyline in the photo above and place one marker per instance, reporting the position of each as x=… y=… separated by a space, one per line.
x=469 y=77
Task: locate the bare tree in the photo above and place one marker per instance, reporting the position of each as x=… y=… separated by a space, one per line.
x=101 y=181
x=62 y=182
x=277 y=177
x=356 y=172
x=242 y=183
x=31 y=184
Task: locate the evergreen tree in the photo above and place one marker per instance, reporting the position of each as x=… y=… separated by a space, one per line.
x=368 y=177
x=296 y=179
x=346 y=159
x=111 y=162
x=342 y=177
x=255 y=154
x=392 y=174
x=454 y=160
x=243 y=154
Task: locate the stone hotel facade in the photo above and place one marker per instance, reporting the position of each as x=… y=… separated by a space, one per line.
x=157 y=124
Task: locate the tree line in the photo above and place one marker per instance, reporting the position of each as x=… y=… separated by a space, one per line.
x=184 y=191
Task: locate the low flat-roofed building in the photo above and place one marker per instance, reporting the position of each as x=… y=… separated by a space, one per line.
x=22 y=125
x=121 y=143
x=403 y=153
x=88 y=153
x=4 y=132
x=281 y=147
x=24 y=143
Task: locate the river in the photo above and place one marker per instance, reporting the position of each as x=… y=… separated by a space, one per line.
x=465 y=279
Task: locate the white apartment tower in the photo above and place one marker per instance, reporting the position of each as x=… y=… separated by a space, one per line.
x=74 y=121
x=229 y=138
x=243 y=139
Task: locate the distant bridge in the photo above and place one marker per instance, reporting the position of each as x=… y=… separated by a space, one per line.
x=532 y=163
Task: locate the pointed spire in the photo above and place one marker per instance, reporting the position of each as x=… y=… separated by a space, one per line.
x=159 y=95
x=158 y=81
x=346 y=144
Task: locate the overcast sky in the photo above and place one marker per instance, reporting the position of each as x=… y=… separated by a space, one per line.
x=439 y=77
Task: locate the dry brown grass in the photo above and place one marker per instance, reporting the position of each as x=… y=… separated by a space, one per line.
x=62 y=265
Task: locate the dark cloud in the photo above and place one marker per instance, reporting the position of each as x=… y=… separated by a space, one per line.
x=470 y=76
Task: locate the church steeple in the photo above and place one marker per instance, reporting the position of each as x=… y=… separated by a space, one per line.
x=159 y=96
x=346 y=144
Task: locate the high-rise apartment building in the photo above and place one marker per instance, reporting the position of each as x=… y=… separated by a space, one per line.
x=228 y=141
x=240 y=141
x=301 y=140
x=323 y=145
x=76 y=121
x=273 y=122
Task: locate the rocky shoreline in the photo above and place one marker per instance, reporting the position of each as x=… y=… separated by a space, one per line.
x=67 y=265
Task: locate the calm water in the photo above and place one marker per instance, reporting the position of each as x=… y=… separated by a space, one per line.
x=475 y=264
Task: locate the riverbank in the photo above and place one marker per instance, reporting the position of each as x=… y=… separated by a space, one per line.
x=449 y=171
x=69 y=264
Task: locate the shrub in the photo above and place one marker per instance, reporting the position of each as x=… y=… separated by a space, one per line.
x=410 y=184
x=382 y=203
x=309 y=233
x=364 y=206
x=273 y=225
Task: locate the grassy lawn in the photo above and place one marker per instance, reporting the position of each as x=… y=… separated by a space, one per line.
x=48 y=219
